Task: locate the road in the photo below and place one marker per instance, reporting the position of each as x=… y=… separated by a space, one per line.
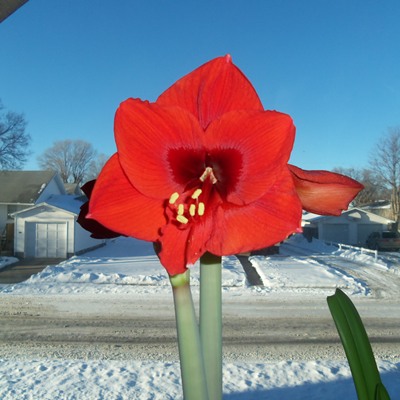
x=111 y=327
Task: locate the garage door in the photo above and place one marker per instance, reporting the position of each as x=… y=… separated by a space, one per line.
x=338 y=233
x=46 y=240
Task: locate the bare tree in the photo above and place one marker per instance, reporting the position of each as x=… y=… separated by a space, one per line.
x=385 y=164
x=96 y=166
x=14 y=141
x=373 y=191
x=70 y=158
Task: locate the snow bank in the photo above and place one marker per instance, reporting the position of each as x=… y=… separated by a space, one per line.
x=112 y=380
x=4 y=261
x=300 y=268
x=122 y=262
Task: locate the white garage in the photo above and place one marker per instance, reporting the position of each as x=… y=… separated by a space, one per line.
x=50 y=230
x=351 y=227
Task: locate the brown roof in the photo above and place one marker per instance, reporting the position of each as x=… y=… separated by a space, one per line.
x=23 y=186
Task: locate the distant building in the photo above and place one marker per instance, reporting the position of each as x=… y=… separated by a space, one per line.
x=20 y=190
x=38 y=217
x=380 y=207
x=49 y=229
x=352 y=227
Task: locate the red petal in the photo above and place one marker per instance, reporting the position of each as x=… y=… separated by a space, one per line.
x=263 y=223
x=158 y=147
x=212 y=90
x=97 y=230
x=117 y=205
x=248 y=150
x=323 y=192
x=173 y=249
x=180 y=247
x=198 y=237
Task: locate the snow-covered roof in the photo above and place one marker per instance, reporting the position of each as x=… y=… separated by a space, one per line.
x=377 y=205
x=66 y=202
x=71 y=204
x=309 y=218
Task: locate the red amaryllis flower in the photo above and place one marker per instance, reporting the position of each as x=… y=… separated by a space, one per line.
x=218 y=87
x=202 y=169
x=98 y=231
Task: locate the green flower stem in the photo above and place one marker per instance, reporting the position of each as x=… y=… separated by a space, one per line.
x=211 y=322
x=192 y=366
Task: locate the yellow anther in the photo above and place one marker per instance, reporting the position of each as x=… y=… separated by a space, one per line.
x=201 y=208
x=182 y=219
x=192 y=210
x=181 y=209
x=196 y=194
x=174 y=197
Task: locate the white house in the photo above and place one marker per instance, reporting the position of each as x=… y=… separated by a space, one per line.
x=49 y=229
x=351 y=227
x=20 y=190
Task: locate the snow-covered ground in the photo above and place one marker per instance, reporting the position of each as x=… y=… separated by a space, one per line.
x=4 y=261
x=129 y=267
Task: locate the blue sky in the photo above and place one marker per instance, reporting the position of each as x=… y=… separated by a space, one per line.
x=334 y=66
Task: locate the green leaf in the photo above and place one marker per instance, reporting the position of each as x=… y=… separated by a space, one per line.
x=381 y=392
x=357 y=347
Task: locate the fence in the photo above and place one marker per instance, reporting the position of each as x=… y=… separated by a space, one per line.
x=360 y=249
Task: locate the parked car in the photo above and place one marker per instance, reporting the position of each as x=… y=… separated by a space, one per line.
x=387 y=240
